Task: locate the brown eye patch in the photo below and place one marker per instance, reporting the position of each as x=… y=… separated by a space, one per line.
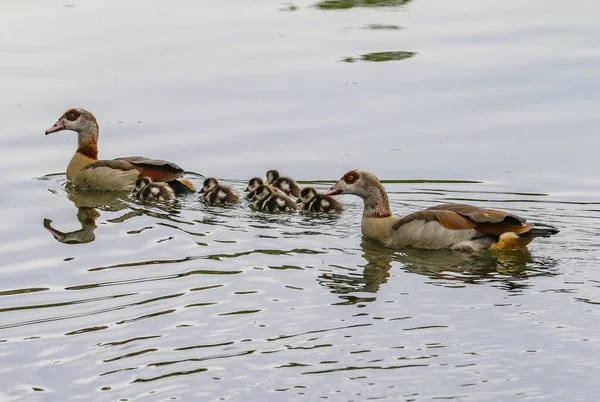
x=351 y=177
x=72 y=114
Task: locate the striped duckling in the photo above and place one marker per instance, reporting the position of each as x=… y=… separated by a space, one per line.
x=253 y=184
x=267 y=200
x=312 y=201
x=285 y=184
x=214 y=193
x=147 y=190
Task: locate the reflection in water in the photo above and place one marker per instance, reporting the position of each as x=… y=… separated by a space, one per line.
x=375 y=273
x=510 y=268
x=88 y=201
x=380 y=56
x=104 y=200
x=111 y=201
x=345 y=4
x=87 y=217
x=383 y=27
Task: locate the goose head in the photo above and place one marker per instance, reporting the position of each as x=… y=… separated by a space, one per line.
x=254 y=183
x=272 y=175
x=209 y=184
x=357 y=182
x=76 y=119
x=141 y=183
x=307 y=194
x=263 y=192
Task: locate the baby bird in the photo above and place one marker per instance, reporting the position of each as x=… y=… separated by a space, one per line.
x=315 y=202
x=253 y=184
x=214 y=193
x=285 y=184
x=268 y=200
x=147 y=190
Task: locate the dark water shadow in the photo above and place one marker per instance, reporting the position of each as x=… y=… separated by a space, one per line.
x=347 y=4
x=381 y=56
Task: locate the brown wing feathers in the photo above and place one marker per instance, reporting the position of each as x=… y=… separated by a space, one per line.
x=464 y=217
x=448 y=219
x=157 y=170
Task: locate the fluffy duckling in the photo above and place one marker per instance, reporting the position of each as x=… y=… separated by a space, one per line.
x=285 y=184
x=256 y=182
x=214 y=193
x=445 y=226
x=268 y=200
x=147 y=190
x=253 y=184
x=314 y=202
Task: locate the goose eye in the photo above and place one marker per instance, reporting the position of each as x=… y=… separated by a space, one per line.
x=350 y=178
x=71 y=116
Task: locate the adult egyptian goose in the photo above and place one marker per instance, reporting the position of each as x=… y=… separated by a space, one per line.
x=87 y=172
x=446 y=226
x=285 y=184
x=312 y=201
x=215 y=193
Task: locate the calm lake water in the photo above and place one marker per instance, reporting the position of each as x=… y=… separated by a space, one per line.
x=492 y=103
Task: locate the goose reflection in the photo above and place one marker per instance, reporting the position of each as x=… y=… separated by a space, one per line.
x=87 y=203
x=507 y=269
x=87 y=218
x=369 y=279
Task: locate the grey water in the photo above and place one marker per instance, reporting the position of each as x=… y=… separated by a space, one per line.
x=492 y=103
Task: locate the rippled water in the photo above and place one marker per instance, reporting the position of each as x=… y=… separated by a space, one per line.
x=494 y=100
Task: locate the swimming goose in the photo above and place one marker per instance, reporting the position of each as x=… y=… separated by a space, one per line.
x=147 y=190
x=446 y=226
x=314 y=202
x=268 y=200
x=214 y=193
x=87 y=172
x=285 y=184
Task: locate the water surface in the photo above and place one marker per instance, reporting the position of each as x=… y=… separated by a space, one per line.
x=491 y=104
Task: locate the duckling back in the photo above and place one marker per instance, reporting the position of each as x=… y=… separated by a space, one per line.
x=279 y=203
x=221 y=195
x=155 y=191
x=287 y=186
x=322 y=203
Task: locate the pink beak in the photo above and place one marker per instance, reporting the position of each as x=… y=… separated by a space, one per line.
x=58 y=126
x=334 y=190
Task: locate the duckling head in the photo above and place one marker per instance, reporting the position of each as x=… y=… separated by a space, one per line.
x=141 y=182
x=209 y=184
x=307 y=194
x=263 y=192
x=254 y=183
x=357 y=182
x=76 y=119
x=272 y=175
